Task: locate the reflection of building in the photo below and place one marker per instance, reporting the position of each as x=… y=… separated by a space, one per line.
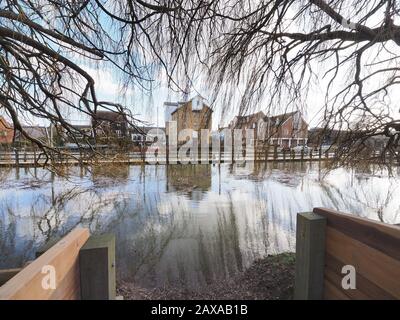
x=193 y=115
x=189 y=178
x=285 y=130
x=6 y=132
x=117 y=173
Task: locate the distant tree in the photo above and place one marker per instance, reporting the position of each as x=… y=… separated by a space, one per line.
x=278 y=49
x=45 y=46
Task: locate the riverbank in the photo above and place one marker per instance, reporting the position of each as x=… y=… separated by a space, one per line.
x=271 y=278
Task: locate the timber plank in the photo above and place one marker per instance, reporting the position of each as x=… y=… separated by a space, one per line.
x=7 y=274
x=336 y=279
x=382 y=237
x=331 y=292
x=367 y=287
x=377 y=267
x=63 y=256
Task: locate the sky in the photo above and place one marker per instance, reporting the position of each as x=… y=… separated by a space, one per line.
x=148 y=106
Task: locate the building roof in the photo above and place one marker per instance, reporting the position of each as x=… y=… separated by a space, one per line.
x=36 y=132
x=247 y=119
x=281 y=117
x=184 y=104
x=110 y=116
x=240 y=121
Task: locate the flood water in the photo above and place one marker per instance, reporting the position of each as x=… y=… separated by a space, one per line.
x=184 y=225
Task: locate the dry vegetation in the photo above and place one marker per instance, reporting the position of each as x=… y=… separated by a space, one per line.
x=271 y=278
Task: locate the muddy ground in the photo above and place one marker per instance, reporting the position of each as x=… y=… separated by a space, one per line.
x=271 y=278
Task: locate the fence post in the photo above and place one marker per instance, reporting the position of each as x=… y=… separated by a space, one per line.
x=80 y=157
x=34 y=158
x=167 y=150
x=233 y=147
x=16 y=157
x=310 y=256
x=97 y=268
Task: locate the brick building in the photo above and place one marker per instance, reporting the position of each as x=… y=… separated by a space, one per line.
x=6 y=132
x=110 y=127
x=193 y=115
x=285 y=130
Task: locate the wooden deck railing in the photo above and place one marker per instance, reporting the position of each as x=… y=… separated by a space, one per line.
x=36 y=158
x=83 y=267
x=331 y=244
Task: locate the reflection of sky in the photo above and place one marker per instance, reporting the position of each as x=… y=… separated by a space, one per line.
x=211 y=223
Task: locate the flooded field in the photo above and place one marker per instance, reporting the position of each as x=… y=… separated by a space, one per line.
x=183 y=225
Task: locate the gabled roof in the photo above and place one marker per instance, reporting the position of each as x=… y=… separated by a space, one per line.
x=184 y=104
x=109 y=116
x=281 y=117
x=251 y=118
x=37 y=132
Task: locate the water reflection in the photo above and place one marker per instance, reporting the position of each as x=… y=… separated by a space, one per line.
x=186 y=225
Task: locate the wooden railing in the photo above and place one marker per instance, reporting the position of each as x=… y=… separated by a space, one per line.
x=82 y=267
x=37 y=158
x=331 y=246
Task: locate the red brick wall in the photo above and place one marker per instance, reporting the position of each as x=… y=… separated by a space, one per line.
x=6 y=132
x=286 y=130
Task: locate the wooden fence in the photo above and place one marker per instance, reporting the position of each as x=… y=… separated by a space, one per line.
x=330 y=245
x=83 y=268
x=37 y=158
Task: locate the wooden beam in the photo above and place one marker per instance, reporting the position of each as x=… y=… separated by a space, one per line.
x=63 y=258
x=380 y=269
x=378 y=235
x=7 y=274
x=310 y=252
x=97 y=268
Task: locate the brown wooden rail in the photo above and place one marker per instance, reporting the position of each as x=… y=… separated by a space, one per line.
x=328 y=240
x=84 y=268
